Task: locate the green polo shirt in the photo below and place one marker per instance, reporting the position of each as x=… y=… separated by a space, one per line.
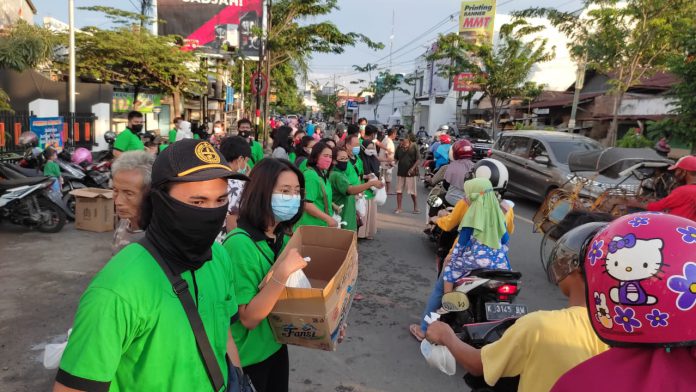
x=253 y=258
x=172 y=136
x=339 y=185
x=128 y=141
x=131 y=332
x=292 y=157
x=256 y=153
x=315 y=189
x=51 y=169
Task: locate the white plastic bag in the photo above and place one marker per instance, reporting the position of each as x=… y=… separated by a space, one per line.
x=381 y=196
x=439 y=357
x=53 y=353
x=361 y=206
x=298 y=280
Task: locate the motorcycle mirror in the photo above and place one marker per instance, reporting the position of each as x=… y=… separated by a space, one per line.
x=455 y=301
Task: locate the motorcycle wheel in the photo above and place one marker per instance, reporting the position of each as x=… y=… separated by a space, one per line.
x=56 y=219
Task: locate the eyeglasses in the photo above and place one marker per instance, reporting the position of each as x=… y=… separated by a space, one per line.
x=288 y=194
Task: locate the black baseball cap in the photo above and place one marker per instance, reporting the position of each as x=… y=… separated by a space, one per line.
x=191 y=160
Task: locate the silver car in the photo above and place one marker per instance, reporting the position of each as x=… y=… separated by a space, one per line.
x=537 y=161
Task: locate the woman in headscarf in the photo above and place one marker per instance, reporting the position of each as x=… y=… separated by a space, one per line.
x=371 y=165
x=483 y=237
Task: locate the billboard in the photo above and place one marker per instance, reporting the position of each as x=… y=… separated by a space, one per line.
x=49 y=130
x=123 y=102
x=476 y=20
x=209 y=24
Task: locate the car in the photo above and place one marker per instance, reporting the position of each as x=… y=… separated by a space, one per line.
x=479 y=138
x=537 y=161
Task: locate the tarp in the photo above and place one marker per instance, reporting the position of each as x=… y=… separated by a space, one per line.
x=612 y=161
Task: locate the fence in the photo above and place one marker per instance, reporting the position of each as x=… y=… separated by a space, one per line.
x=13 y=124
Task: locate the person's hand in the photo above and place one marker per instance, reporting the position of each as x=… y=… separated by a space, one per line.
x=438 y=332
x=332 y=222
x=448 y=259
x=342 y=333
x=291 y=263
x=434 y=219
x=377 y=184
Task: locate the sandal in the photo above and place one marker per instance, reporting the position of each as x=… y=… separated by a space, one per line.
x=416 y=212
x=397 y=211
x=416 y=331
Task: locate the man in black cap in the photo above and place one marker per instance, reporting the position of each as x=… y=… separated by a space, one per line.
x=131 y=329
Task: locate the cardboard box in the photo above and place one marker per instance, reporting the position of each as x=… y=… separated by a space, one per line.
x=94 y=209
x=312 y=317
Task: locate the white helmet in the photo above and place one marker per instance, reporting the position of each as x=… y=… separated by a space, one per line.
x=493 y=170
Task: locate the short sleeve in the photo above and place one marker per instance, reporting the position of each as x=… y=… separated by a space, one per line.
x=122 y=141
x=451 y=221
x=510 y=221
x=508 y=356
x=313 y=189
x=247 y=271
x=105 y=325
x=340 y=184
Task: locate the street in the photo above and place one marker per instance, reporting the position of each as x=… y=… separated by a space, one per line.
x=44 y=275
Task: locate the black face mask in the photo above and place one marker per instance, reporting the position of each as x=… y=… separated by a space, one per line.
x=136 y=128
x=183 y=234
x=342 y=166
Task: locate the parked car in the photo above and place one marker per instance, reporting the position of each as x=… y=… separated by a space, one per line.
x=479 y=138
x=538 y=160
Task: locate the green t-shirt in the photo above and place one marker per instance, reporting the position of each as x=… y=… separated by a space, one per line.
x=315 y=189
x=128 y=141
x=131 y=331
x=256 y=153
x=339 y=185
x=252 y=257
x=172 y=136
x=292 y=157
x=51 y=169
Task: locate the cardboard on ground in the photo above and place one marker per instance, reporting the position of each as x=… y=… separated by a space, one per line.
x=94 y=209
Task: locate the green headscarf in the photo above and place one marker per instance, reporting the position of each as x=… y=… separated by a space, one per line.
x=484 y=214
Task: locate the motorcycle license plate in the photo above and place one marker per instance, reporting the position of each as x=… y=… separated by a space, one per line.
x=499 y=311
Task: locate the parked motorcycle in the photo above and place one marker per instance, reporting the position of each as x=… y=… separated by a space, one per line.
x=75 y=177
x=483 y=295
x=31 y=203
x=479 y=335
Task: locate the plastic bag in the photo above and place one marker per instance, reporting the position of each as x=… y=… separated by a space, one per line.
x=361 y=206
x=439 y=357
x=381 y=196
x=53 y=353
x=298 y=280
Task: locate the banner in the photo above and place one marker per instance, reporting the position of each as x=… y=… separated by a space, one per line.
x=476 y=21
x=49 y=130
x=123 y=102
x=208 y=25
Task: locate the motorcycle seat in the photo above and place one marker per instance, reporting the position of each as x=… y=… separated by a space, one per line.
x=9 y=184
x=497 y=274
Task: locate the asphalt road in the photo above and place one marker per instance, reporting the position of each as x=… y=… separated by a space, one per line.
x=43 y=276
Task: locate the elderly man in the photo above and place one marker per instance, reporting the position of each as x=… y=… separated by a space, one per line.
x=131 y=174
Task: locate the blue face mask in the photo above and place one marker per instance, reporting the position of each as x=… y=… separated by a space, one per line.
x=356 y=150
x=285 y=209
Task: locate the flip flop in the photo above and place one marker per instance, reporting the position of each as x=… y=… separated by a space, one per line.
x=416 y=212
x=398 y=211
x=416 y=332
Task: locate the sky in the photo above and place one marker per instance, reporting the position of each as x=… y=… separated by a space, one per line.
x=416 y=25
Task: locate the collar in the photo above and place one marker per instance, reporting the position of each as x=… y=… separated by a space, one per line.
x=255 y=234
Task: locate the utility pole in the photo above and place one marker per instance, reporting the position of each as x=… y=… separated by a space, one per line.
x=579 y=83
x=391 y=46
x=268 y=67
x=241 y=93
x=71 y=77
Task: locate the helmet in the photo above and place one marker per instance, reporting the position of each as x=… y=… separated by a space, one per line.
x=461 y=149
x=445 y=138
x=569 y=251
x=28 y=139
x=641 y=277
x=81 y=156
x=110 y=137
x=493 y=170
x=444 y=128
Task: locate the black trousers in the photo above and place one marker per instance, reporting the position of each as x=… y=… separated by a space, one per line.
x=273 y=374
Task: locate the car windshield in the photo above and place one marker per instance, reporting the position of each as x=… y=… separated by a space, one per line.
x=474 y=134
x=561 y=149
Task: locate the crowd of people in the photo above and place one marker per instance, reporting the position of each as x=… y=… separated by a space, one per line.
x=202 y=222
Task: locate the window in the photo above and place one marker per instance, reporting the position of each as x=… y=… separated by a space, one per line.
x=502 y=142
x=537 y=150
x=562 y=149
x=518 y=146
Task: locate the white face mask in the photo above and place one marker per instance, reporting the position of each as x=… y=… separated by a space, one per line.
x=217 y=130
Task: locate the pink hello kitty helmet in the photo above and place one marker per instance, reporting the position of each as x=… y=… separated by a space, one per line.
x=641 y=281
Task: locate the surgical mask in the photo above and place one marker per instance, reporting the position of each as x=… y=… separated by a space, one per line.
x=355 y=150
x=217 y=130
x=243 y=169
x=342 y=165
x=324 y=163
x=136 y=128
x=362 y=127
x=284 y=208
x=370 y=153
x=183 y=233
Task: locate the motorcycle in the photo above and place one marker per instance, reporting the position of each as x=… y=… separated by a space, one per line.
x=479 y=335
x=75 y=177
x=31 y=203
x=483 y=295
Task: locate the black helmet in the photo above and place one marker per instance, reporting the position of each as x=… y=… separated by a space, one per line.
x=28 y=139
x=569 y=251
x=492 y=170
x=110 y=137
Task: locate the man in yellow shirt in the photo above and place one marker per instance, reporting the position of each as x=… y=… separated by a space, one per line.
x=541 y=346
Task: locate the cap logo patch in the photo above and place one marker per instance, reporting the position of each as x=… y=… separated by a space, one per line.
x=206 y=153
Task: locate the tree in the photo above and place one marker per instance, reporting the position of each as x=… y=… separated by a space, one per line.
x=625 y=40
x=500 y=71
x=130 y=55
x=24 y=46
x=384 y=83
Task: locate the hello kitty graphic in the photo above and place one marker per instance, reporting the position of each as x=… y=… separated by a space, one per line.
x=629 y=261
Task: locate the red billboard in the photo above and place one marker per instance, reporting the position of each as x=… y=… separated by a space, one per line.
x=210 y=24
